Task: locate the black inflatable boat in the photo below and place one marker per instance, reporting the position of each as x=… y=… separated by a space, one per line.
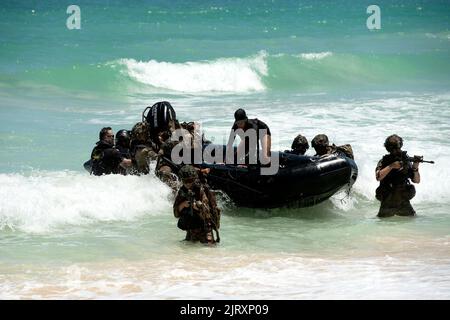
x=301 y=181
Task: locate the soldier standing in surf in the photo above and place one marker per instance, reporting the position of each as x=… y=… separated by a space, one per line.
x=394 y=171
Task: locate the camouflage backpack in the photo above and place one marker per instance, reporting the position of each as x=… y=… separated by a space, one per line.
x=347 y=150
x=140 y=132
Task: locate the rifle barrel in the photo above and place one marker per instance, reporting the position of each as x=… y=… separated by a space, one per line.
x=421 y=161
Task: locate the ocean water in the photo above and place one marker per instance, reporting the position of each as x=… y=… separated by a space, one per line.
x=301 y=66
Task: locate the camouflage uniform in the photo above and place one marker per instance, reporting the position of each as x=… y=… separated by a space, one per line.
x=165 y=152
x=215 y=210
x=322 y=146
x=142 y=148
x=164 y=161
x=198 y=222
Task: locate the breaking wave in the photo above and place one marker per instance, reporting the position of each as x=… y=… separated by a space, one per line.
x=45 y=200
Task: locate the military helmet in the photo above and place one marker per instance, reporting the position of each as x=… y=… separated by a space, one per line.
x=393 y=142
x=123 y=138
x=321 y=140
x=300 y=142
x=159 y=117
x=188 y=172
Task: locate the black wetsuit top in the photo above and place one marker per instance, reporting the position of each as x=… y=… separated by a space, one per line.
x=256 y=125
x=105 y=159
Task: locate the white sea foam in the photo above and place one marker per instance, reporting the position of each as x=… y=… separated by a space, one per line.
x=44 y=200
x=221 y=75
x=254 y=276
x=315 y=55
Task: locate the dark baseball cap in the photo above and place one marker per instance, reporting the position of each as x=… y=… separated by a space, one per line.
x=240 y=115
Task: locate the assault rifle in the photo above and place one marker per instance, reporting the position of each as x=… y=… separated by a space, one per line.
x=191 y=199
x=419 y=159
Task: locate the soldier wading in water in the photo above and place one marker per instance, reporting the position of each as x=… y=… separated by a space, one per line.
x=394 y=171
x=196 y=213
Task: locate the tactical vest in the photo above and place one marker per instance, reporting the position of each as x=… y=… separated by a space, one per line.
x=396 y=178
x=346 y=149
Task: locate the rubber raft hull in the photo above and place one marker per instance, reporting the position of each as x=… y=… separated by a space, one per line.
x=301 y=181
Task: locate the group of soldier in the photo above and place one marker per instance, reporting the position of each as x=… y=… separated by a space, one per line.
x=195 y=204
x=150 y=140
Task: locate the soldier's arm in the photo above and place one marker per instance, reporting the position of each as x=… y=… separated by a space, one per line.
x=382 y=173
x=212 y=199
x=176 y=212
x=179 y=204
x=205 y=201
x=266 y=146
x=230 y=143
x=182 y=205
x=416 y=174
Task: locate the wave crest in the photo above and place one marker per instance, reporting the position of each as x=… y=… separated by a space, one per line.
x=221 y=75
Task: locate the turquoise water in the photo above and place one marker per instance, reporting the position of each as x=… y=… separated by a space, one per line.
x=302 y=67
